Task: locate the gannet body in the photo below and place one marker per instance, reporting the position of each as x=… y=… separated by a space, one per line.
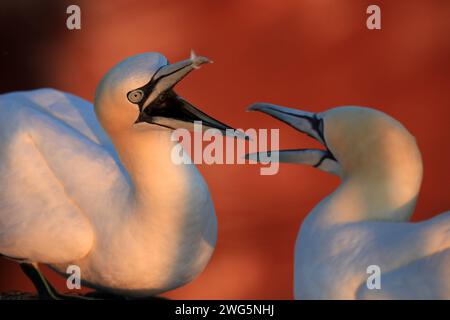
x=104 y=194
x=365 y=221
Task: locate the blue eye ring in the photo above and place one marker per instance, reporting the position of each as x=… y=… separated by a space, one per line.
x=135 y=96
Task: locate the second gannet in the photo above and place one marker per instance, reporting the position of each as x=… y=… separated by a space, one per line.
x=365 y=221
x=100 y=190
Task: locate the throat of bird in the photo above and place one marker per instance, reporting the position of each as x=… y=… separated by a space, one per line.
x=158 y=184
x=379 y=185
x=361 y=198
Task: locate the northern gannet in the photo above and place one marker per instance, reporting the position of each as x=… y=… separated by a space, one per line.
x=365 y=221
x=104 y=194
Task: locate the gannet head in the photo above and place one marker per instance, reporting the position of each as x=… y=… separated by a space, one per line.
x=357 y=141
x=140 y=90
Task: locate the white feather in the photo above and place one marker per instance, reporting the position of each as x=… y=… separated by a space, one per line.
x=66 y=197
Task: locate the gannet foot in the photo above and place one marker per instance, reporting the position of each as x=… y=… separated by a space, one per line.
x=45 y=290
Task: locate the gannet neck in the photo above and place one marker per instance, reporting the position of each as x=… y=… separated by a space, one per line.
x=145 y=149
x=159 y=185
x=381 y=169
x=169 y=207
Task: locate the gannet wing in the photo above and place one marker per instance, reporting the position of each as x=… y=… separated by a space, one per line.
x=413 y=257
x=389 y=244
x=425 y=278
x=56 y=165
x=69 y=109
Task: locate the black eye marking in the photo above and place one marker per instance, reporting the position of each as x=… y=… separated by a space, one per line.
x=317 y=126
x=139 y=95
x=135 y=96
x=321 y=129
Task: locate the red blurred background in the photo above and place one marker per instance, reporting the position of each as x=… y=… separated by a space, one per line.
x=310 y=54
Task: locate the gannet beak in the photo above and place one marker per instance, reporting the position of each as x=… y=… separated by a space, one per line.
x=168 y=76
x=162 y=106
x=305 y=122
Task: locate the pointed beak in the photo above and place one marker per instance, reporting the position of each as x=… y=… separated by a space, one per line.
x=165 y=108
x=168 y=76
x=305 y=122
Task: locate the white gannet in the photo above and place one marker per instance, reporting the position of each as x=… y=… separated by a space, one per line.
x=365 y=221
x=104 y=195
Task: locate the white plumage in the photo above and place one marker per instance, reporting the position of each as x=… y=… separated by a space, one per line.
x=114 y=204
x=365 y=221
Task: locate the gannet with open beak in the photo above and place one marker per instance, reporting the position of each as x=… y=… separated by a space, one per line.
x=104 y=195
x=365 y=221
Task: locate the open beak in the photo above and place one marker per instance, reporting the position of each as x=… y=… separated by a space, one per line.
x=162 y=106
x=305 y=122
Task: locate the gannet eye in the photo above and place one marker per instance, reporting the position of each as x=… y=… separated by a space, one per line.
x=135 y=96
